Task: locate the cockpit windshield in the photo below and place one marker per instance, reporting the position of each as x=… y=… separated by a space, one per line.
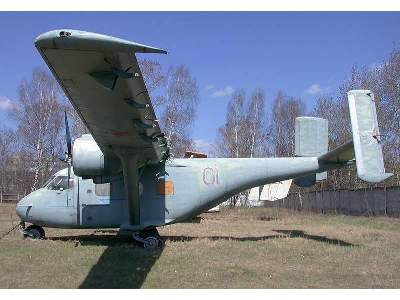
x=47 y=181
x=60 y=183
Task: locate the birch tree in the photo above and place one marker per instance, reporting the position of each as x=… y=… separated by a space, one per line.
x=282 y=128
x=230 y=141
x=256 y=122
x=39 y=120
x=155 y=79
x=7 y=149
x=243 y=134
x=179 y=111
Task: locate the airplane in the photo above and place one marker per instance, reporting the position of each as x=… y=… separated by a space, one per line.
x=122 y=175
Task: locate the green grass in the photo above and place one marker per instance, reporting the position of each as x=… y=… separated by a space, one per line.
x=239 y=248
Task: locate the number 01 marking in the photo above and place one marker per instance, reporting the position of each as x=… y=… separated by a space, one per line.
x=210 y=176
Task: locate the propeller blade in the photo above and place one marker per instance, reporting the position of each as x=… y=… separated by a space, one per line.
x=67 y=135
x=69 y=174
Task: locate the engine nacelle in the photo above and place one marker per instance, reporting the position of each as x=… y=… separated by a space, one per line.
x=89 y=161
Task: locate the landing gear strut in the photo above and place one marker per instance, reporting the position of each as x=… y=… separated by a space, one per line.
x=34 y=232
x=149 y=238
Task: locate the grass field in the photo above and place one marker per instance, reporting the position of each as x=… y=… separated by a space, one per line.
x=238 y=248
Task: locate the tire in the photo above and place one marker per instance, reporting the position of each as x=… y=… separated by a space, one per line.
x=151 y=239
x=34 y=232
x=151 y=243
x=149 y=232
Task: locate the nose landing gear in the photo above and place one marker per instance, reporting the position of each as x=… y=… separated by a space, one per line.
x=34 y=232
x=149 y=239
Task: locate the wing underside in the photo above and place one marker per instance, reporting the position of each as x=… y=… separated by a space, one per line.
x=101 y=77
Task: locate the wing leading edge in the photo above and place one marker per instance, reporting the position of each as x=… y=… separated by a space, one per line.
x=102 y=79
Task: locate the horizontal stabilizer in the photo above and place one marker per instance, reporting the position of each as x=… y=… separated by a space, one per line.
x=341 y=154
x=366 y=136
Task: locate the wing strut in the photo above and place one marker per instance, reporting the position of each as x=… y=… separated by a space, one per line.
x=131 y=180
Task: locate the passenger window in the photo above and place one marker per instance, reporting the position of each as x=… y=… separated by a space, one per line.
x=102 y=189
x=61 y=182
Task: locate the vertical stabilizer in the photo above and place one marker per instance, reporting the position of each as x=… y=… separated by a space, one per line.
x=366 y=136
x=311 y=136
x=311 y=139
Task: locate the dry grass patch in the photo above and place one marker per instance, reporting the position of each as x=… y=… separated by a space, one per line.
x=238 y=248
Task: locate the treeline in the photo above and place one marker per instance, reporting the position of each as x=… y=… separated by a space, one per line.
x=256 y=128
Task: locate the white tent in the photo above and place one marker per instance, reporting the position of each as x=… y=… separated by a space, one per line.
x=269 y=192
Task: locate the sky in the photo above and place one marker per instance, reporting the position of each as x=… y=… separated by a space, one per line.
x=303 y=54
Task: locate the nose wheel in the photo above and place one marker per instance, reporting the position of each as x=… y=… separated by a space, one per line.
x=34 y=232
x=149 y=239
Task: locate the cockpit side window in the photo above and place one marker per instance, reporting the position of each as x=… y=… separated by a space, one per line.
x=61 y=182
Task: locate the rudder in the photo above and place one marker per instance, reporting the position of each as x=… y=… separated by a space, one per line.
x=366 y=136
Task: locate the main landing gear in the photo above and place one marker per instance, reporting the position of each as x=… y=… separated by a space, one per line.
x=33 y=232
x=149 y=238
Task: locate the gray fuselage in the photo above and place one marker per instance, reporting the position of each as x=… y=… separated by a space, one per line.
x=170 y=192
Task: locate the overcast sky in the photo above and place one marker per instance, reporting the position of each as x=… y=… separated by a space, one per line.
x=304 y=54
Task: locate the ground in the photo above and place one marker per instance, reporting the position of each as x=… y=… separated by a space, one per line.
x=236 y=248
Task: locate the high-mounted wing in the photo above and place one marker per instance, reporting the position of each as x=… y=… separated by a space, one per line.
x=102 y=79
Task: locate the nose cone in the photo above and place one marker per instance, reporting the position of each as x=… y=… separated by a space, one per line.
x=21 y=211
x=22 y=208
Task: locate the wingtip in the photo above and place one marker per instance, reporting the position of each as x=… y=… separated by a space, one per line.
x=46 y=39
x=375 y=178
x=70 y=38
x=148 y=49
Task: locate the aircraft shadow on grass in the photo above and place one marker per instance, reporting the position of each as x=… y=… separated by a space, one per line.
x=318 y=238
x=123 y=265
x=282 y=234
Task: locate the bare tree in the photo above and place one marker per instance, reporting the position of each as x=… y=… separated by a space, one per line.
x=244 y=131
x=39 y=121
x=230 y=141
x=256 y=121
x=388 y=91
x=181 y=100
x=155 y=80
x=7 y=150
x=284 y=112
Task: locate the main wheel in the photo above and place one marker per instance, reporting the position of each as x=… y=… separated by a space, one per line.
x=149 y=232
x=149 y=239
x=34 y=232
x=151 y=243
